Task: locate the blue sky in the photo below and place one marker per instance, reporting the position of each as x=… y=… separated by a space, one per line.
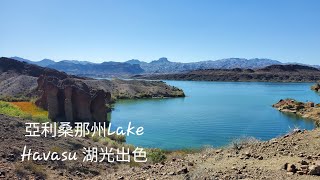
x=182 y=30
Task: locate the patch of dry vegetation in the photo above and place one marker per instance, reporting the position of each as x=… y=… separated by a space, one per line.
x=25 y=110
x=31 y=108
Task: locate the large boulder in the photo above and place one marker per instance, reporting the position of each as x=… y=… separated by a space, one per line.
x=72 y=100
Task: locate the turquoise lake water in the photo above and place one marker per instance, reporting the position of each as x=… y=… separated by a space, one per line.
x=213 y=113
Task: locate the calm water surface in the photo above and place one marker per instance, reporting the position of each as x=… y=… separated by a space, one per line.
x=213 y=113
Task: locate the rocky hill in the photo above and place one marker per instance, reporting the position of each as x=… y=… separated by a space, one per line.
x=23 y=68
x=289 y=68
x=273 y=73
x=19 y=79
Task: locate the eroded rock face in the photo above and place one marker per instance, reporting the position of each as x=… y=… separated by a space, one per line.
x=72 y=100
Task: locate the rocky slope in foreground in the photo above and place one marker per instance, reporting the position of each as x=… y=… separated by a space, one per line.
x=19 y=80
x=273 y=73
x=293 y=156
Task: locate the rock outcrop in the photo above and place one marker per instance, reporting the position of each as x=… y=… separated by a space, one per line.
x=316 y=87
x=308 y=110
x=72 y=100
x=18 y=80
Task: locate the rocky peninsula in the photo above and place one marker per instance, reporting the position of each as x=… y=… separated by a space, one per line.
x=308 y=110
x=316 y=87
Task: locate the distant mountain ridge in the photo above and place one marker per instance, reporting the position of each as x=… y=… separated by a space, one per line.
x=162 y=65
x=43 y=63
x=105 y=69
x=86 y=68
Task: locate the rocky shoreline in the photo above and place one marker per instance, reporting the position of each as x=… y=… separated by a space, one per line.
x=308 y=110
x=316 y=87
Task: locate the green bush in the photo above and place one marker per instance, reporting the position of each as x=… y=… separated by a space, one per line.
x=40 y=118
x=156 y=155
x=95 y=138
x=118 y=138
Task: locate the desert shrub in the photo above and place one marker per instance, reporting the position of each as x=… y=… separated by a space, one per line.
x=239 y=143
x=56 y=149
x=133 y=163
x=181 y=153
x=95 y=138
x=20 y=171
x=37 y=170
x=40 y=118
x=114 y=144
x=131 y=147
x=106 y=141
x=118 y=138
x=156 y=155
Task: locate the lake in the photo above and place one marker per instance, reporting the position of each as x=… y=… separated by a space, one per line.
x=213 y=113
